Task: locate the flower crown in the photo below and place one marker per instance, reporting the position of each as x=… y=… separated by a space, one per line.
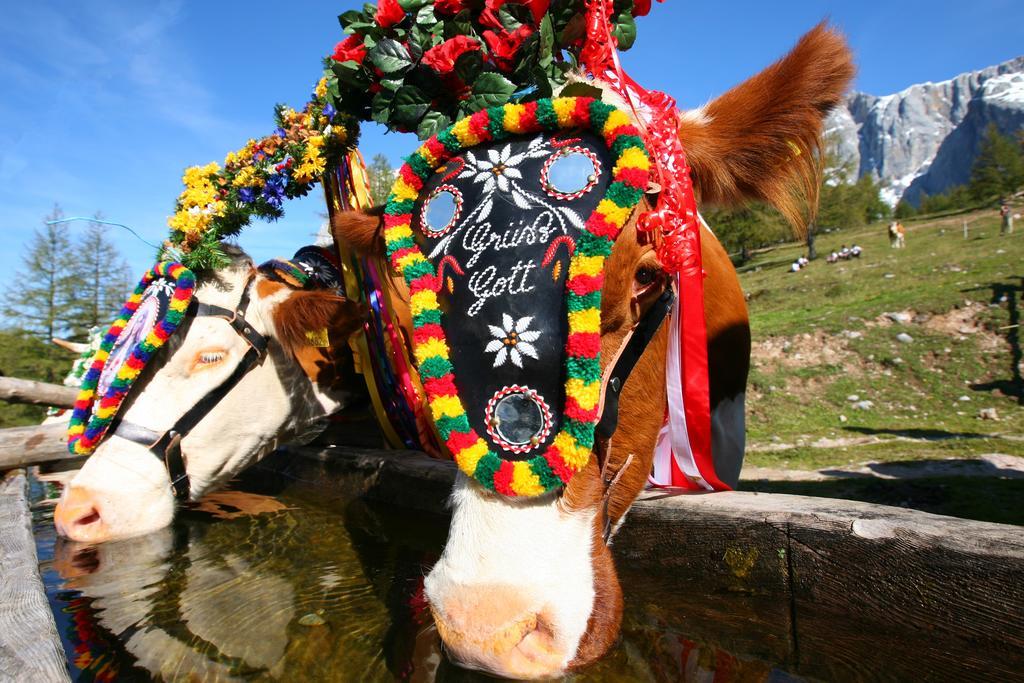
x=417 y=66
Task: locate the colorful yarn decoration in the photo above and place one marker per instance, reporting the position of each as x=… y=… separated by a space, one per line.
x=572 y=447
x=90 y=420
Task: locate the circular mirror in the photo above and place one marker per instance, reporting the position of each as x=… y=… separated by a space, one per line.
x=570 y=172
x=441 y=210
x=518 y=419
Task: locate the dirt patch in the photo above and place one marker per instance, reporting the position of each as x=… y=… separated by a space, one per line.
x=963 y=322
x=803 y=350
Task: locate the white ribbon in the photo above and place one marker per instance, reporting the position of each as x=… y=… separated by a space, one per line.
x=673 y=440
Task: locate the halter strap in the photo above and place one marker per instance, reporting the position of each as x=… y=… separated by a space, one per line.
x=622 y=365
x=167 y=445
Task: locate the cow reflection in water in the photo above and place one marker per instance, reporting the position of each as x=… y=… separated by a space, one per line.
x=265 y=596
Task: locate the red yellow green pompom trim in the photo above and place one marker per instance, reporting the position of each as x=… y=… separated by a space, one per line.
x=91 y=419
x=573 y=445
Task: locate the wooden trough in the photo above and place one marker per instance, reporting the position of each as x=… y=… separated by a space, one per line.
x=829 y=589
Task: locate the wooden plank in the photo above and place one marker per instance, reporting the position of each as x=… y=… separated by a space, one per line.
x=875 y=592
x=30 y=649
x=21 y=446
x=16 y=390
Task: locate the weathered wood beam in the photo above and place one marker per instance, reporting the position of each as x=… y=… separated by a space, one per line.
x=21 y=446
x=30 y=649
x=16 y=390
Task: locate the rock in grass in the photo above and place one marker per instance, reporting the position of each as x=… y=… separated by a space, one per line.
x=988 y=414
x=864 y=405
x=853 y=398
x=904 y=338
x=899 y=317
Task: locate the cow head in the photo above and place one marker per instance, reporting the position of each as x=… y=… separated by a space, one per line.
x=526 y=586
x=123 y=489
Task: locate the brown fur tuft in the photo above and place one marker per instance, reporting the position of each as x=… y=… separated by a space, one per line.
x=314 y=310
x=361 y=230
x=762 y=139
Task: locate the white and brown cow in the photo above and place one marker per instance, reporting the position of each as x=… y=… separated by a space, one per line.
x=122 y=490
x=527 y=588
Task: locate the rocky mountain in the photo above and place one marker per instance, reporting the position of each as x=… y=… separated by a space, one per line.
x=925 y=138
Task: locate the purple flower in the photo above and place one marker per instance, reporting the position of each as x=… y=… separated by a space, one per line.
x=273 y=191
x=247 y=195
x=329 y=111
x=281 y=132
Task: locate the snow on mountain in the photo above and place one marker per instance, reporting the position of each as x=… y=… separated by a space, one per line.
x=924 y=139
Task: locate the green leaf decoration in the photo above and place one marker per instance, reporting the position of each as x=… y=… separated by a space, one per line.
x=469 y=66
x=410 y=105
x=351 y=74
x=425 y=16
x=432 y=123
x=349 y=18
x=490 y=90
x=512 y=16
x=546 y=41
x=390 y=56
x=625 y=30
x=380 y=107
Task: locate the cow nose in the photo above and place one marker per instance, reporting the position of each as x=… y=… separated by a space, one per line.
x=494 y=629
x=78 y=517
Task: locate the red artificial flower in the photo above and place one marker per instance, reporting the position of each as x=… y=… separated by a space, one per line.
x=489 y=17
x=504 y=45
x=642 y=7
x=441 y=58
x=449 y=7
x=350 y=50
x=389 y=13
x=538 y=8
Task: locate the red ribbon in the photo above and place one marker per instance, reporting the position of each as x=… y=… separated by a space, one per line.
x=673 y=224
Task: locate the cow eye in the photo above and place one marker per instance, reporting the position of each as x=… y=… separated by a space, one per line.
x=646 y=276
x=206 y=359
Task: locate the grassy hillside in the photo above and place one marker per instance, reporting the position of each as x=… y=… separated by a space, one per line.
x=822 y=336
x=928 y=336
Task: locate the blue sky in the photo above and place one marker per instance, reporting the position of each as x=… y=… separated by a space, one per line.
x=103 y=104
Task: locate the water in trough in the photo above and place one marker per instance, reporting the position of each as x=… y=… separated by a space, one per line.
x=276 y=579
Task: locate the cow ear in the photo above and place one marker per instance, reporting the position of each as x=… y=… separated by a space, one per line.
x=762 y=139
x=315 y=319
x=361 y=230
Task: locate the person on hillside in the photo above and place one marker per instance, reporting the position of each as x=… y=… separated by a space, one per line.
x=844 y=252
x=803 y=261
x=795 y=266
x=855 y=251
x=1006 y=213
x=833 y=257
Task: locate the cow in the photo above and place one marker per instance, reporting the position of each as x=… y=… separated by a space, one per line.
x=526 y=588
x=122 y=489
x=897 y=235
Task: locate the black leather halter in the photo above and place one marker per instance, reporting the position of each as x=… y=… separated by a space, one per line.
x=167 y=446
x=618 y=372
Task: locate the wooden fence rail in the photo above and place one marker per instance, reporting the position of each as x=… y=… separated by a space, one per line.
x=21 y=446
x=16 y=390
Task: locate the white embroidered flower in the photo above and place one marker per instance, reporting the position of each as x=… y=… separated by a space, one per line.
x=512 y=340
x=495 y=170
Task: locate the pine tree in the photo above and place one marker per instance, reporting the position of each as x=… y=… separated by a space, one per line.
x=999 y=168
x=102 y=275
x=382 y=176
x=42 y=298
